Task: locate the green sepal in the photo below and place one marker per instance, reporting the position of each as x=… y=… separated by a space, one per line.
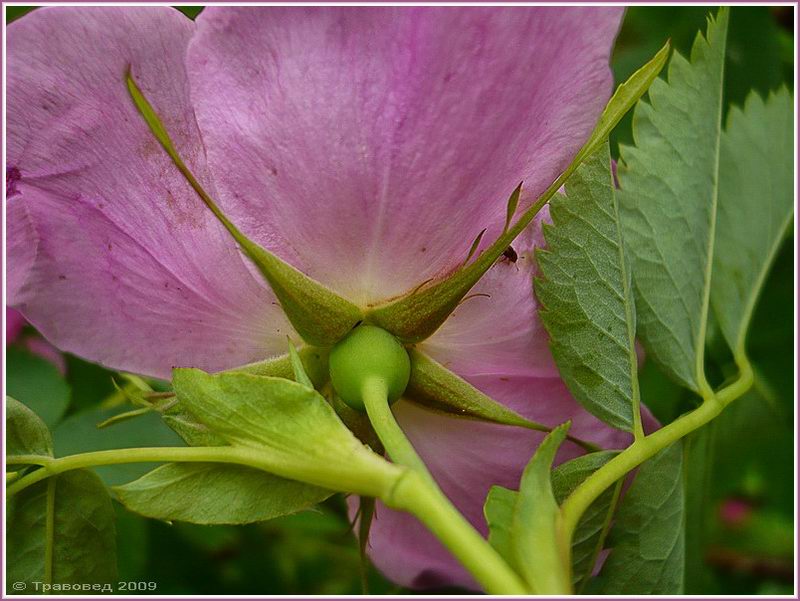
x=436 y=387
x=319 y=315
x=298 y=369
x=416 y=316
x=314 y=363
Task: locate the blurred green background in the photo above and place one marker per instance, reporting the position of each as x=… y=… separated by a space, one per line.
x=741 y=472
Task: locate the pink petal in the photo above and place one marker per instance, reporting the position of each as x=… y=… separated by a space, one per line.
x=14 y=324
x=370 y=146
x=467 y=457
x=21 y=241
x=130 y=269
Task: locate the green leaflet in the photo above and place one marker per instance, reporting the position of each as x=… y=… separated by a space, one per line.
x=499 y=512
x=286 y=425
x=586 y=297
x=537 y=543
x=417 y=315
x=647 y=540
x=212 y=493
x=26 y=434
x=314 y=362
x=37 y=383
x=319 y=315
x=755 y=207
x=590 y=534
x=61 y=531
x=668 y=201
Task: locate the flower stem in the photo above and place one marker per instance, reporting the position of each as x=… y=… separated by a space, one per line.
x=643 y=449
x=418 y=493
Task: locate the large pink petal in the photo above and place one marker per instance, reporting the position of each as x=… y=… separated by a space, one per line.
x=467 y=457
x=130 y=269
x=369 y=146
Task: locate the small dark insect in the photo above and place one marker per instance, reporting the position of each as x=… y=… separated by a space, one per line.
x=510 y=254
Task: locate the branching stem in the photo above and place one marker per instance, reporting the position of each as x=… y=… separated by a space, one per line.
x=643 y=449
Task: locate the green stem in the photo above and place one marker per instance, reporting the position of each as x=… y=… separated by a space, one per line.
x=643 y=449
x=418 y=493
x=238 y=455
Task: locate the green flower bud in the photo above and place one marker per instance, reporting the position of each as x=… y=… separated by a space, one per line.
x=364 y=354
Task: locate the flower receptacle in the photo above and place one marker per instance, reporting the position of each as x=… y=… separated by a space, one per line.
x=368 y=353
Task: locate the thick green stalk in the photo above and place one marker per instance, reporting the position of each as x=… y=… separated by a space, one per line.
x=418 y=493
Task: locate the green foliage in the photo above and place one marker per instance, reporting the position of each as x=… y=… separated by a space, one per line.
x=26 y=433
x=586 y=297
x=36 y=382
x=590 y=534
x=288 y=425
x=669 y=192
x=756 y=205
x=210 y=493
x=499 y=511
x=61 y=532
x=536 y=542
x=647 y=556
x=592 y=528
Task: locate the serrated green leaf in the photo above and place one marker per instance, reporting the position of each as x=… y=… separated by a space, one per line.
x=26 y=433
x=212 y=493
x=37 y=383
x=647 y=540
x=318 y=314
x=414 y=317
x=61 y=531
x=288 y=425
x=586 y=297
x=537 y=542
x=668 y=200
x=589 y=536
x=756 y=206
